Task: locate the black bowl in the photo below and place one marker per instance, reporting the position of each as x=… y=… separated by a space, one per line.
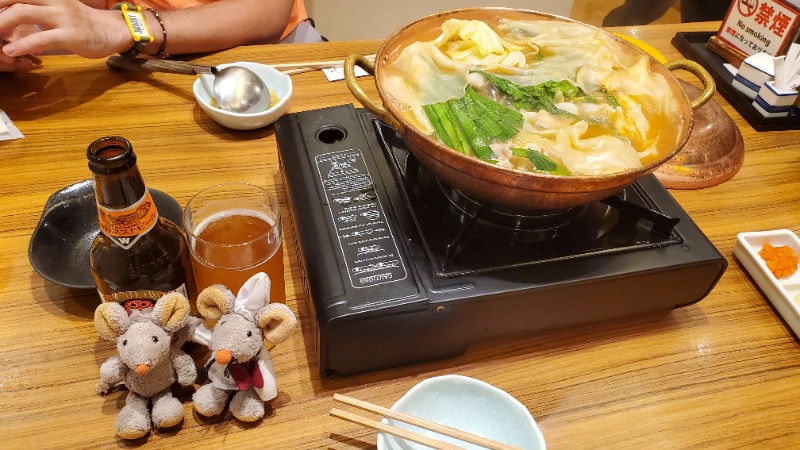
x=60 y=244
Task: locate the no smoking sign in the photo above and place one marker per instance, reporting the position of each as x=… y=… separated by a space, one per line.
x=754 y=26
x=747 y=7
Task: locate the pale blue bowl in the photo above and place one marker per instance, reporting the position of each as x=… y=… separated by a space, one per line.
x=469 y=405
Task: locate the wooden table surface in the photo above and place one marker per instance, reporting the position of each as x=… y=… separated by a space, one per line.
x=723 y=373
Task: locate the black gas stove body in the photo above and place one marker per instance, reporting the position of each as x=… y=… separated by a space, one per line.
x=401 y=269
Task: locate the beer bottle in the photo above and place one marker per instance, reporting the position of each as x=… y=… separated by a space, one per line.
x=137 y=256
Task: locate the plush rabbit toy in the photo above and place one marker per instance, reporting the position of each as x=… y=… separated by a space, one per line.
x=247 y=326
x=149 y=361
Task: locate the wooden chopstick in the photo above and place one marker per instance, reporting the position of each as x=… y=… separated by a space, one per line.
x=312 y=64
x=399 y=432
x=296 y=71
x=422 y=423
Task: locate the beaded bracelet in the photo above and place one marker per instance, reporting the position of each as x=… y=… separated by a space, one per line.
x=161 y=53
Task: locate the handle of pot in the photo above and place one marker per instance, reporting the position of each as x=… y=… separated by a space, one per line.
x=709 y=87
x=350 y=64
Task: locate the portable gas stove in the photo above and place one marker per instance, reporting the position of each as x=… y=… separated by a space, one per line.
x=400 y=269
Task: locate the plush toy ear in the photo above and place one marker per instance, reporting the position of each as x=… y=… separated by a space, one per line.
x=111 y=320
x=277 y=321
x=215 y=301
x=171 y=311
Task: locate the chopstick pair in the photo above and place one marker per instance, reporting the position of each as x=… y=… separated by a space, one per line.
x=416 y=421
x=311 y=65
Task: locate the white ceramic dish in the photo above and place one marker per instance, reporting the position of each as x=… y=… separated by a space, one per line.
x=277 y=82
x=467 y=404
x=774 y=102
x=753 y=73
x=783 y=293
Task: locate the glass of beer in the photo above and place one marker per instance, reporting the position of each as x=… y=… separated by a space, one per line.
x=234 y=232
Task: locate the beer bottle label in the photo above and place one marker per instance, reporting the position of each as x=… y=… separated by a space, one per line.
x=139 y=303
x=125 y=226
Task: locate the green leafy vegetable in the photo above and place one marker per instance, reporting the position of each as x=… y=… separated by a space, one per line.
x=609 y=98
x=439 y=126
x=540 y=161
x=539 y=96
x=469 y=124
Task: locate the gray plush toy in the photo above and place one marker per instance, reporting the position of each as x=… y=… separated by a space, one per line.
x=149 y=361
x=246 y=327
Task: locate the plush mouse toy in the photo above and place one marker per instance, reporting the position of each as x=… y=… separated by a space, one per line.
x=246 y=327
x=149 y=361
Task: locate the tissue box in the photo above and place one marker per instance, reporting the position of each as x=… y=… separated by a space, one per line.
x=773 y=102
x=753 y=73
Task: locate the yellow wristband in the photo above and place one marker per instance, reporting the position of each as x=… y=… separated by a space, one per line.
x=137 y=25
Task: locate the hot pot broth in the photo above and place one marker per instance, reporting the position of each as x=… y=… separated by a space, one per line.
x=569 y=100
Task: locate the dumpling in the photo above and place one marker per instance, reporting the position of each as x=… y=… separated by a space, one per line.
x=597 y=155
x=561 y=139
x=476 y=35
x=648 y=88
x=423 y=75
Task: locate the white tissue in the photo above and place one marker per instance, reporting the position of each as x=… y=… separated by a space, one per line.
x=787 y=69
x=7 y=129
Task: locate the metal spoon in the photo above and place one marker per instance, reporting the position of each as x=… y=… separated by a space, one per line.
x=238 y=89
x=235 y=88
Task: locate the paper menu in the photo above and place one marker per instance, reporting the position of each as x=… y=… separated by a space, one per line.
x=337 y=73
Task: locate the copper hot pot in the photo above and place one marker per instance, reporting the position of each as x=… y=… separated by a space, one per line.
x=488 y=182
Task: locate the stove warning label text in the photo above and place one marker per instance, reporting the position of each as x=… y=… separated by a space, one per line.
x=365 y=238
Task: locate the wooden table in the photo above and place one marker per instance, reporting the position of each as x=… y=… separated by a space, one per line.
x=722 y=373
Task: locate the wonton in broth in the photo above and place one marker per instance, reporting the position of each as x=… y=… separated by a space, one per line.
x=548 y=96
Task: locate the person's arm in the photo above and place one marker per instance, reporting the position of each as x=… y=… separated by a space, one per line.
x=95 y=33
x=220 y=25
x=66 y=25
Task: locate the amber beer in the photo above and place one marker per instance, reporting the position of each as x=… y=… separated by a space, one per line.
x=138 y=255
x=234 y=233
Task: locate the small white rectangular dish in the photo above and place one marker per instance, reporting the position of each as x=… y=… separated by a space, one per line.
x=783 y=293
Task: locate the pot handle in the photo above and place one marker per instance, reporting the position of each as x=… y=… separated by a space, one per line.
x=709 y=87
x=350 y=78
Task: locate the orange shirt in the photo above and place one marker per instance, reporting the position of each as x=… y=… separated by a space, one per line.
x=298 y=10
